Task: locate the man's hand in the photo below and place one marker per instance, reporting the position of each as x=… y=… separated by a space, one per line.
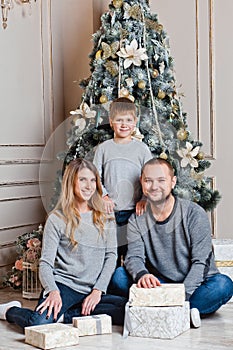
x=141 y=207
x=108 y=204
x=53 y=303
x=148 y=281
x=91 y=301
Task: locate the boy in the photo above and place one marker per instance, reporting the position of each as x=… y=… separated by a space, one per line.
x=119 y=162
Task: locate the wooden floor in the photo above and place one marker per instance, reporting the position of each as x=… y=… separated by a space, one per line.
x=215 y=333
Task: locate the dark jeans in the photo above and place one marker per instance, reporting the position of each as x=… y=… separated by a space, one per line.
x=111 y=305
x=122 y=218
x=214 y=292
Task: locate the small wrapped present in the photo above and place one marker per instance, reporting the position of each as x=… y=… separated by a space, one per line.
x=168 y=294
x=50 y=336
x=165 y=322
x=223 y=252
x=90 y=325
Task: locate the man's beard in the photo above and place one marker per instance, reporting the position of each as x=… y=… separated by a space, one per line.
x=161 y=201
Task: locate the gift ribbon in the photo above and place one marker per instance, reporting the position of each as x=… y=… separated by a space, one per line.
x=224 y=263
x=98 y=324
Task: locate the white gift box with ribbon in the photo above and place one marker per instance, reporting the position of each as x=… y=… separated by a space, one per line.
x=165 y=322
x=91 y=325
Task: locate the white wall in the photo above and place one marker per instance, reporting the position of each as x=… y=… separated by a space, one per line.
x=42 y=54
x=200 y=37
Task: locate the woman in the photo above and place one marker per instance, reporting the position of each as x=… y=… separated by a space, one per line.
x=78 y=256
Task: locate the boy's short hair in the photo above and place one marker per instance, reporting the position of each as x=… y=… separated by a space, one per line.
x=122 y=105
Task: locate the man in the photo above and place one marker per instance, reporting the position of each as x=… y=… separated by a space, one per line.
x=171 y=243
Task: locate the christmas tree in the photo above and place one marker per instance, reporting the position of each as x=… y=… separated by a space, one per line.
x=131 y=58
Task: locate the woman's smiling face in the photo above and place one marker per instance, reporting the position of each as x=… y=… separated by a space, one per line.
x=85 y=184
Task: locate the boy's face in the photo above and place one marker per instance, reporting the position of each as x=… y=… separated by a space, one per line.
x=123 y=125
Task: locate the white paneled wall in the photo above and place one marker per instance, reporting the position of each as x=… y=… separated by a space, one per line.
x=25 y=119
x=43 y=52
x=200 y=39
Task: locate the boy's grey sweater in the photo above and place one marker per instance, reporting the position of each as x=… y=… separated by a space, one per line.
x=89 y=265
x=119 y=166
x=177 y=250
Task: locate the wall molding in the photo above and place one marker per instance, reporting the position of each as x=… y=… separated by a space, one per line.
x=210 y=53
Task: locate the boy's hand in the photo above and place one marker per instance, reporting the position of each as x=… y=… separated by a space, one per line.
x=141 y=207
x=108 y=204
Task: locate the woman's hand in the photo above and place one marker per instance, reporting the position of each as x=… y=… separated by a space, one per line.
x=148 y=281
x=53 y=303
x=91 y=301
x=108 y=204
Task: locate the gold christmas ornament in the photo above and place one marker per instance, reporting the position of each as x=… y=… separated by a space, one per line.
x=160 y=28
x=98 y=54
x=200 y=155
x=117 y=3
x=161 y=94
x=141 y=84
x=151 y=24
x=134 y=11
x=163 y=155
x=197 y=176
x=175 y=108
x=112 y=68
x=103 y=99
x=182 y=134
x=155 y=73
x=110 y=50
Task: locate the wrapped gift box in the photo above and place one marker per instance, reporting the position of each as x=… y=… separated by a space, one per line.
x=165 y=295
x=223 y=252
x=166 y=322
x=51 y=336
x=90 y=325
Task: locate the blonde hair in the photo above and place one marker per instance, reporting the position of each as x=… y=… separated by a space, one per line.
x=122 y=105
x=66 y=203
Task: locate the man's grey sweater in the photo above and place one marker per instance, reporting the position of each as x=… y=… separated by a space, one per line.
x=89 y=265
x=177 y=250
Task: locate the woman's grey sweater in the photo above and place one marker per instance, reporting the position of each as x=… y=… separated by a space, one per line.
x=87 y=266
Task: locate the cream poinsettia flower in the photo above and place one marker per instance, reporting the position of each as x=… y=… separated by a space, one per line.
x=132 y=54
x=187 y=154
x=84 y=111
x=80 y=123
